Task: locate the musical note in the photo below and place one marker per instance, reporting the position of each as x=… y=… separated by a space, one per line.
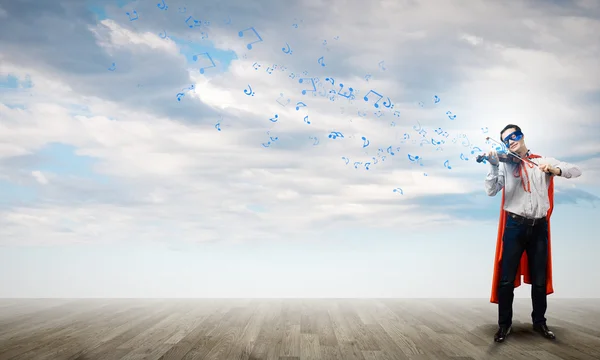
x=228 y=21
x=281 y=97
x=450 y=116
x=381 y=66
x=463 y=157
x=367 y=165
x=335 y=134
x=363 y=114
x=162 y=6
x=313 y=85
x=321 y=61
x=473 y=150
x=484 y=131
x=389 y=150
x=196 y=57
x=249 y=92
x=306 y=120
x=130 y=18
x=366 y=142
x=299 y=105
x=398 y=190
x=256 y=66
x=356 y=164
x=389 y=103
x=346 y=95
x=424 y=141
x=397 y=113
x=112 y=67
x=249 y=46
x=331 y=80
x=218 y=126
x=316 y=140
x=163 y=34
x=345 y=158
x=288 y=50
x=423 y=132
x=367 y=77
x=421 y=104
x=376 y=103
x=413 y=158
x=375 y=161
x=267 y=144
x=184 y=10
x=447 y=165
x=196 y=22
x=433 y=142
x=179 y=96
x=467 y=143
x=436 y=99
x=274 y=119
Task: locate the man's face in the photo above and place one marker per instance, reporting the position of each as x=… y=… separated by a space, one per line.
x=514 y=141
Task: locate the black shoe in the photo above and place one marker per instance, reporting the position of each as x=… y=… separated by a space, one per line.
x=502 y=333
x=543 y=329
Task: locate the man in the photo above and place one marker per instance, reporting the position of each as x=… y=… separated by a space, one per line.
x=523 y=246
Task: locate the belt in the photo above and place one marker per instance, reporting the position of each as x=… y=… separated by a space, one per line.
x=526 y=221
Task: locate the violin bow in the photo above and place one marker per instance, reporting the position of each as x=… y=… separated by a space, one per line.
x=512 y=153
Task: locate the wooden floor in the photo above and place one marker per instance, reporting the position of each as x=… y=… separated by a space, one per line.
x=289 y=329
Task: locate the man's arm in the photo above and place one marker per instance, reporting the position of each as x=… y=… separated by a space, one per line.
x=494 y=181
x=562 y=169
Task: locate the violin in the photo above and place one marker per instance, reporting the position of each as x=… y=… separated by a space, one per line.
x=505 y=158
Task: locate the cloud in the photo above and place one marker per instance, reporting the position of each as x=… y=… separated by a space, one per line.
x=154 y=167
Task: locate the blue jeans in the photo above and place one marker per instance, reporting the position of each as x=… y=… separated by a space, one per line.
x=518 y=238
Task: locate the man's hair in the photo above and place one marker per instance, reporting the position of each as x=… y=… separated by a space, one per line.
x=509 y=126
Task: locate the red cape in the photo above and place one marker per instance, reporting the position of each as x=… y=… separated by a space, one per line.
x=523 y=269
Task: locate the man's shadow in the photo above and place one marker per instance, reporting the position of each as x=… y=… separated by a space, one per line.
x=521 y=336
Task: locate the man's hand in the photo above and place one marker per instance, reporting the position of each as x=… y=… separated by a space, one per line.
x=547 y=168
x=493 y=157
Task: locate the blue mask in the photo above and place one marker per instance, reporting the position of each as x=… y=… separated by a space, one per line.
x=514 y=136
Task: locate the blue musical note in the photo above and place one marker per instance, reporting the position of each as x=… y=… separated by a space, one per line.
x=288 y=50
x=249 y=46
x=365 y=142
x=346 y=159
x=447 y=165
x=321 y=61
x=196 y=22
x=413 y=158
x=436 y=99
x=112 y=67
x=195 y=58
x=218 y=126
x=381 y=66
x=356 y=164
x=484 y=131
x=398 y=190
x=299 y=105
x=376 y=93
x=274 y=119
x=331 y=80
x=473 y=150
x=306 y=120
x=316 y=140
x=463 y=157
x=249 y=92
x=313 y=85
x=389 y=104
x=134 y=13
x=163 y=34
x=450 y=116
x=367 y=77
x=162 y=6
x=346 y=95
x=267 y=144
x=389 y=150
x=335 y=134
x=367 y=164
x=180 y=95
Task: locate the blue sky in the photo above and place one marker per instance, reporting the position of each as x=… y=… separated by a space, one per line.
x=108 y=170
